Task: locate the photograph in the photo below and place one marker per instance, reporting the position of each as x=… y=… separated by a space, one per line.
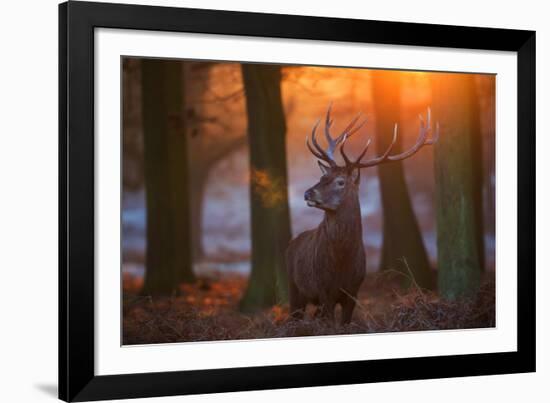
x=272 y=200
x=213 y=201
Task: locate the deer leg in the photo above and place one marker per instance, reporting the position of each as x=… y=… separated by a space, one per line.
x=318 y=311
x=297 y=302
x=347 y=309
x=326 y=311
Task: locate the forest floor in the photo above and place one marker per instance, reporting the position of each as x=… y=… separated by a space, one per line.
x=208 y=310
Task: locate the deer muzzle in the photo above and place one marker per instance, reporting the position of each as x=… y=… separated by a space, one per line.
x=309 y=197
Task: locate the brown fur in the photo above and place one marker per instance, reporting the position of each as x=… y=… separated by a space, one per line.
x=327 y=265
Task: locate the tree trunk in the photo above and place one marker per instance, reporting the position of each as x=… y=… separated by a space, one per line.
x=401 y=235
x=168 y=253
x=455 y=192
x=270 y=218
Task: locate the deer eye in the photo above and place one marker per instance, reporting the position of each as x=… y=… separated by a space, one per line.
x=340 y=182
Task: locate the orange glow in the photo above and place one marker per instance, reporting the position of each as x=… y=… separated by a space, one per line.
x=217 y=93
x=269 y=189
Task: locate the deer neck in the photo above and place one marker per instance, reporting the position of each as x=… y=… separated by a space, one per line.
x=342 y=228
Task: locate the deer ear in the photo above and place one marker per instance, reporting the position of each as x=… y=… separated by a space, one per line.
x=324 y=168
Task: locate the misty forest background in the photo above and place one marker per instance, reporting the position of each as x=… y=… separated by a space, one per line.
x=215 y=168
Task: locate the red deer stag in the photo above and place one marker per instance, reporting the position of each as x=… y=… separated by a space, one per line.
x=327 y=265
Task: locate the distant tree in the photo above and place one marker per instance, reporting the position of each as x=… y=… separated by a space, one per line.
x=487 y=91
x=401 y=234
x=168 y=260
x=211 y=136
x=457 y=165
x=132 y=141
x=478 y=170
x=201 y=172
x=270 y=218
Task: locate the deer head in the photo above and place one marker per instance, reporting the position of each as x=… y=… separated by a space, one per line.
x=339 y=182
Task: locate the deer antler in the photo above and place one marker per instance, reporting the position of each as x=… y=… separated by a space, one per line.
x=328 y=154
x=425 y=129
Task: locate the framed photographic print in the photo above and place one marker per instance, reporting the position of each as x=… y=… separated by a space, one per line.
x=259 y=201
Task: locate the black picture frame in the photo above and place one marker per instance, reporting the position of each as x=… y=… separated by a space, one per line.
x=77 y=21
